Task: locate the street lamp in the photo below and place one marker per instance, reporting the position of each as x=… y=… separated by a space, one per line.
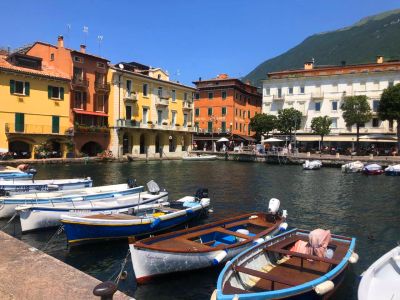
x=212 y=119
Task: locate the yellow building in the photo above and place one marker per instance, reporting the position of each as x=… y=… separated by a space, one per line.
x=34 y=108
x=149 y=115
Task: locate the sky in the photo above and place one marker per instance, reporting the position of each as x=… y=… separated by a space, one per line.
x=188 y=38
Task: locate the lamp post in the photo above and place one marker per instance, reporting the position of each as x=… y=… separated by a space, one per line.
x=212 y=119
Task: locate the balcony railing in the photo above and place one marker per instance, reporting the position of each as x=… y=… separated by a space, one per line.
x=11 y=128
x=187 y=105
x=278 y=97
x=102 y=86
x=80 y=82
x=317 y=95
x=91 y=129
x=161 y=101
x=135 y=124
x=130 y=96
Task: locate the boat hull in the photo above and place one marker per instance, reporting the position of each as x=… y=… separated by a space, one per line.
x=200 y=158
x=373 y=172
x=17 y=186
x=392 y=173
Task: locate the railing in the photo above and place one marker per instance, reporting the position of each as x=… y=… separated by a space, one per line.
x=82 y=82
x=132 y=96
x=136 y=124
x=317 y=95
x=278 y=97
x=86 y=128
x=161 y=101
x=102 y=86
x=11 y=128
x=187 y=105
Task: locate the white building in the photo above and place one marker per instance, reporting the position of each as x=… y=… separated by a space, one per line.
x=320 y=90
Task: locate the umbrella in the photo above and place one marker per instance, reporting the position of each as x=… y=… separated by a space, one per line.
x=223 y=139
x=271 y=140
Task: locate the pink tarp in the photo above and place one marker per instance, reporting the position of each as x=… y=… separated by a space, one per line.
x=318 y=241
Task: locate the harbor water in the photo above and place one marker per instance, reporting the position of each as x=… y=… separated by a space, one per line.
x=365 y=207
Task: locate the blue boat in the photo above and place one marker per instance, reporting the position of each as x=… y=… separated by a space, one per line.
x=147 y=219
x=274 y=270
x=21 y=172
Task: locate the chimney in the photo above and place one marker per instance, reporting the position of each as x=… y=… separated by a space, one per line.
x=248 y=82
x=83 y=48
x=308 y=65
x=222 y=76
x=379 y=59
x=199 y=78
x=60 y=41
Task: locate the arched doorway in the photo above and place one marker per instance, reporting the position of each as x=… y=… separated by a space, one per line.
x=55 y=149
x=142 y=144
x=172 y=143
x=125 y=144
x=91 y=149
x=20 y=149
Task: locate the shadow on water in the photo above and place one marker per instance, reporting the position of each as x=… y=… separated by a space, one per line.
x=347 y=204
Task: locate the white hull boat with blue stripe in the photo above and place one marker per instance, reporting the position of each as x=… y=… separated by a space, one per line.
x=48 y=215
x=8 y=204
x=9 y=173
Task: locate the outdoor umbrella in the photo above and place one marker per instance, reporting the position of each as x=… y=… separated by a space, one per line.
x=223 y=139
x=271 y=140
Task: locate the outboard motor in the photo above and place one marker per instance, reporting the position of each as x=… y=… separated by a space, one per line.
x=32 y=171
x=201 y=193
x=131 y=183
x=153 y=187
x=3 y=193
x=273 y=206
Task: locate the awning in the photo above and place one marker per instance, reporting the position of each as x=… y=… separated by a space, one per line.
x=342 y=138
x=92 y=113
x=244 y=137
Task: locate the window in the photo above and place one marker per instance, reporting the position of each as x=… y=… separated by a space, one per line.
x=391 y=83
x=185 y=120
x=19 y=122
x=267 y=91
x=236 y=112
x=55 y=124
x=55 y=92
x=334 y=123
x=78 y=59
x=375 y=122
x=210 y=126
x=197 y=112
x=290 y=91
x=78 y=74
x=240 y=126
x=317 y=106
x=159 y=91
x=223 y=111
x=210 y=111
x=237 y=96
x=128 y=110
x=79 y=100
x=128 y=87
x=197 y=96
x=210 y=95
x=173 y=121
x=19 y=87
x=185 y=96
x=52 y=56
x=101 y=102
x=159 y=117
x=223 y=94
x=334 y=105
x=101 y=65
x=375 y=105
x=145 y=89
x=302 y=89
x=196 y=124
x=145 y=115
x=279 y=92
x=236 y=125
x=173 y=95
x=248 y=114
x=159 y=76
x=99 y=78
x=223 y=127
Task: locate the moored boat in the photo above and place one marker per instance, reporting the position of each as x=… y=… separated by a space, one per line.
x=381 y=280
x=203 y=246
x=200 y=157
x=297 y=264
x=312 y=165
x=36 y=216
x=353 y=167
x=393 y=170
x=146 y=219
x=373 y=169
x=20 y=172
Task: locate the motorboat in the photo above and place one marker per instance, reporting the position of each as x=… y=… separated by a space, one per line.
x=20 y=172
x=297 y=264
x=203 y=246
x=37 y=216
x=373 y=169
x=353 y=167
x=382 y=279
x=200 y=157
x=393 y=170
x=145 y=219
x=312 y=165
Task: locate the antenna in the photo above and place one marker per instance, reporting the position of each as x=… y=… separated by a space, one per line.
x=100 y=39
x=86 y=32
x=68 y=33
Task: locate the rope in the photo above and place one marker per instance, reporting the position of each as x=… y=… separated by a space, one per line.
x=9 y=221
x=58 y=232
x=116 y=280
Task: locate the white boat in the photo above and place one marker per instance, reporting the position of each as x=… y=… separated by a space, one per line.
x=200 y=157
x=353 y=167
x=26 y=186
x=393 y=170
x=21 y=172
x=9 y=203
x=312 y=165
x=382 y=279
x=48 y=215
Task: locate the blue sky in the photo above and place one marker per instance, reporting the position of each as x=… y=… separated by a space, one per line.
x=190 y=39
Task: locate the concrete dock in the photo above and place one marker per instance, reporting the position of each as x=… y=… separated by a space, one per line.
x=28 y=273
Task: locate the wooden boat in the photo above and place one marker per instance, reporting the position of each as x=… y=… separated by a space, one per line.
x=147 y=219
x=382 y=279
x=353 y=167
x=38 y=216
x=372 y=169
x=200 y=157
x=20 y=172
x=312 y=165
x=271 y=271
x=393 y=170
x=202 y=246
x=9 y=203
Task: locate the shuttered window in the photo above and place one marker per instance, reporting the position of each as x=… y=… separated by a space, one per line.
x=55 y=124
x=19 y=122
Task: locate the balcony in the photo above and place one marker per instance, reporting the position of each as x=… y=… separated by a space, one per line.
x=317 y=95
x=187 y=105
x=161 y=101
x=122 y=123
x=79 y=82
x=102 y=87
x=279 y=97
x=81 y=128
x=130 y=97
x=11 y=128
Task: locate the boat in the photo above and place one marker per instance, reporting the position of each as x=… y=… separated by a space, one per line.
x=9 y=203
x=393 y=170
x=146 y=219
x=312 y=165
x=25 y=186
x=297 y=264
x=372 y=169
x=381 y=279
x=200 y=157
x=20 y=172
x=353 y=167
x=37 y=216
x=203 y=246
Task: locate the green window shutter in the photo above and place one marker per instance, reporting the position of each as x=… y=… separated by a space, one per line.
x=55 y=126
x=19 y=122
x=49 y=91
x=12 y=86
x=62 y=93
x=27 y=88
x=210 y=126
x=223 y=127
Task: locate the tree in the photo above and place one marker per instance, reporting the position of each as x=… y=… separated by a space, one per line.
x=389 y=107
x=289 y=120
x=321 y=126
x=262 y=124
x=356 y=111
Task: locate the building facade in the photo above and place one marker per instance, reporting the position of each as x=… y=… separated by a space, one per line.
x=320 y=90
x=89 y=93
x=34 y=108
x=149 y=115
x=224 y=106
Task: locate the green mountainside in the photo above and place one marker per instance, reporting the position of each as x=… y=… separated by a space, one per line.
x=360 y=43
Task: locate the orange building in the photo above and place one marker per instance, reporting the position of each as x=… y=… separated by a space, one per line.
x=224 y=107
x=89 y=92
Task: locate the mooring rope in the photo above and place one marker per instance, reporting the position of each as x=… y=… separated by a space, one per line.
x=9 y=221
x=57 y=233
x=121 y=270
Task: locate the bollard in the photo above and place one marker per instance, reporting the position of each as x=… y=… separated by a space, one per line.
x=337 y=155
x=308 y=154
x=105 y=290
x=371 y=156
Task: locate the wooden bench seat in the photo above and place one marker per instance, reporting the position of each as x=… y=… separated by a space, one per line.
x=267 y=276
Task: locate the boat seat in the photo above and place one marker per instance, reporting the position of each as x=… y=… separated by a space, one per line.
x=266 y=276
x=304 y=256
x=231 y=290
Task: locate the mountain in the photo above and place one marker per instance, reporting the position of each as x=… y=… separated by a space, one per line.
x=359 y=43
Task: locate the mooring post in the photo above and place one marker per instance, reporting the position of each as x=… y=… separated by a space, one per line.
x=105 y=290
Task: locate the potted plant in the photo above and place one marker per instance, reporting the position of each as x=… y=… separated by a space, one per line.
x=165 y=123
